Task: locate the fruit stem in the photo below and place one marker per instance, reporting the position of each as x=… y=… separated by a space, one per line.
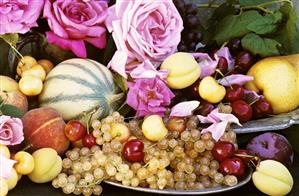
x=253 y=102
x=15 y=50
x=223 y=77
x=89 y=119
x=207 y=5
x=27 y=147
x=266 y=4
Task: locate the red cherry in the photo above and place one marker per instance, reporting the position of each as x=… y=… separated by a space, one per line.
x=133 y=150
x=235 y=93
x=241 y=152
x=241 y=110
x=223 y=150
x=243 y=61
x=205 y=108
x=222 y=65
x=262 y=108
x=89 y=141
x=232 y=166
x=74 y=130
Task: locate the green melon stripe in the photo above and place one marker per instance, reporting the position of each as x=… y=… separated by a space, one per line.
x=89 y=72
x=72 y=98
x=111 y=86
x=103 y=111
x=94 y=87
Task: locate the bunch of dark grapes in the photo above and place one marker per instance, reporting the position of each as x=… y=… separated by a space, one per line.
x=190 y=36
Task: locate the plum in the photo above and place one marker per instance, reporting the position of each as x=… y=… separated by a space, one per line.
x=272 y=146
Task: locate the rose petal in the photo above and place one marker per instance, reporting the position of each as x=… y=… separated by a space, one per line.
x=216 y=117
x=216 y=129
x=76 y=46
x=207 y=64
x=224 y=52
x=147 y=70
x=239 y=79
x=6 y=166
x=184 y=108
x=118 y=63
x=250 y=96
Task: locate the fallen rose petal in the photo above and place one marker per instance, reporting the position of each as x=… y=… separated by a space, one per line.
x=147 y=70
x=250 y=96
x=118 y=63
x=184 y=108
x=224 y=52
x=239 y=79
x=207 y=64
x=216 y=129
x=207 y=119
x=76 y=46
x=6 y=166
x=224 y=117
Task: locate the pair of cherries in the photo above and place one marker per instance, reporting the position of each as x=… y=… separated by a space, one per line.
x=232 y=161
x=244 y=111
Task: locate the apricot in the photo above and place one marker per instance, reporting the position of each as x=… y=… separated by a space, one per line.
x=44 y=127
x=272 y=178
x=47 y=65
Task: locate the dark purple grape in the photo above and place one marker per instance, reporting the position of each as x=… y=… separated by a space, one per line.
x=180 y=5
x=190 y=9
x=191 y=46
x=192 y=21
x=190 y=37
x=243 y=61
x=182 y=47
x=234 y=45
x=198 y=37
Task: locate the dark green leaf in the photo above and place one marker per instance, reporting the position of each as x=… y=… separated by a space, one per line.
x=11 y=110
x=233 y=26
x=121 y=82
x=125 y=110
x=266 y=25
x=252 y=2
x=11 y=38
x=288 y=33
x=292 y=134
x=258 y=45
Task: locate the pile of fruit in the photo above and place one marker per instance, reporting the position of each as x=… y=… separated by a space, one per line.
x=161 y=123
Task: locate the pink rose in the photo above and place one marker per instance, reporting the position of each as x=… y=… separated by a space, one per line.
x=143 y=29
x=18 y=16
x=11 y=130
x=149 y=96
x=74 y=21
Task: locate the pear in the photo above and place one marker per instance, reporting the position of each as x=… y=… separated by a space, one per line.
x=278 y=79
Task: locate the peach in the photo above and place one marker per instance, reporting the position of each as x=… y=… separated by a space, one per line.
x=16 y=99
x=44 y=127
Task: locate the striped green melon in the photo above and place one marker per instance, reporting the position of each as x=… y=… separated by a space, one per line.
x=78 y=88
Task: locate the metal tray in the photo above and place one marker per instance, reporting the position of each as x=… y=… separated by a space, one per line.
x=244 y=181
x=281 y=121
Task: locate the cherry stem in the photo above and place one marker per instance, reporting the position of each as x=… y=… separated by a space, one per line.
x=253 y=102
x=223 y=77
x=27 y=147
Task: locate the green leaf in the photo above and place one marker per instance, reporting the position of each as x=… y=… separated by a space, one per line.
x=252 y=2
x=292 y=134
x=11 y=38
x=11 y=110
x=265 y=25
x=258 y=45
x=121 y=82
x=288 y=33
x=233 y=26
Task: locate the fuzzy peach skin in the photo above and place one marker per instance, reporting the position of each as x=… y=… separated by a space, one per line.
x=44 y=127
